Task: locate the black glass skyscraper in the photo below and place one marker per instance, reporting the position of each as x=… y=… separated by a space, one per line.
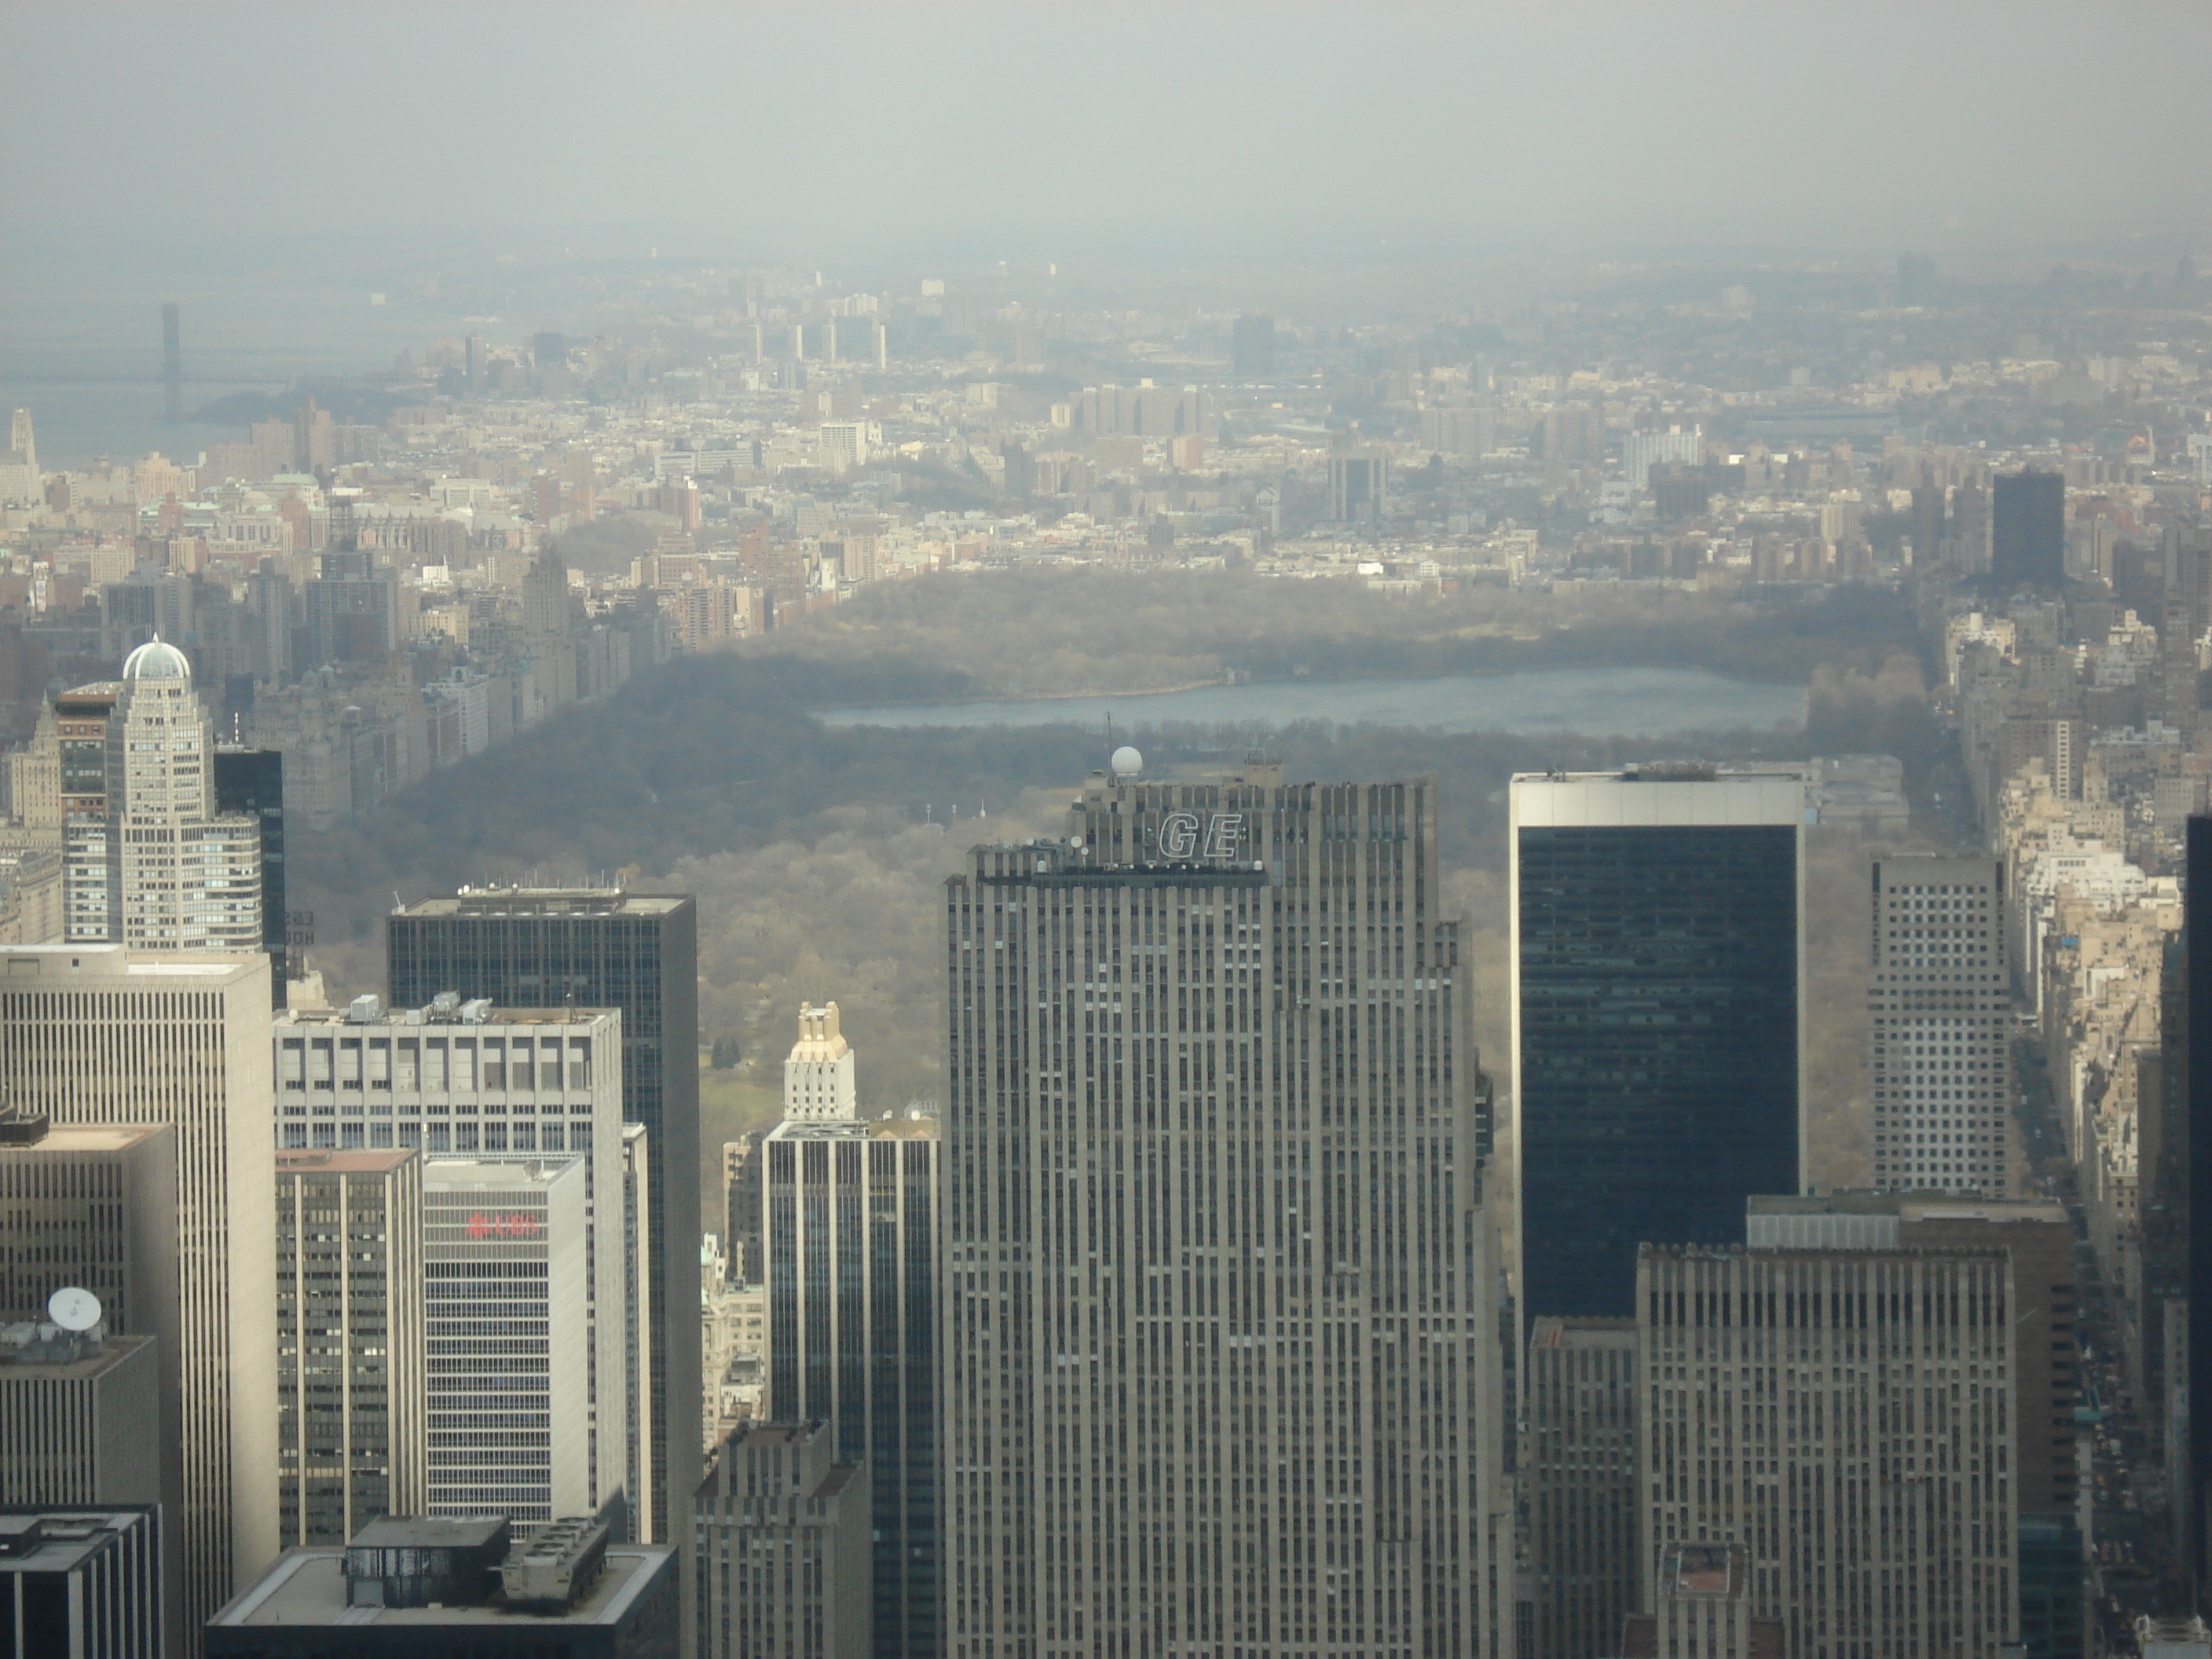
x=251 y=781
x=1658 y=1019
x=596 y=948
x=2027 y=529
x=849 y=1237
x=2195 y=1065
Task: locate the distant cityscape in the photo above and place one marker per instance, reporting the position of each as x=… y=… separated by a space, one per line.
x=1229 y=1299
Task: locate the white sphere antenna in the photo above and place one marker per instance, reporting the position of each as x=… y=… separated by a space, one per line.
x=1128 y=762
x=73 y=1309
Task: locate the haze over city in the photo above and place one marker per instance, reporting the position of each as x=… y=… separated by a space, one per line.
x=977 y=832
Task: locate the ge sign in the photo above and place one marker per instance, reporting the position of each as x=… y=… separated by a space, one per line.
x=1179 y=834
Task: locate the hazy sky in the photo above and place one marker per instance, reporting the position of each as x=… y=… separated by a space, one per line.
x=1570 y=125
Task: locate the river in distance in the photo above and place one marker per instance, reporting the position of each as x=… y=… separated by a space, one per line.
x=1596 y=701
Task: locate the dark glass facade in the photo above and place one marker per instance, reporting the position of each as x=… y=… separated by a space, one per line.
x=251 y=781
x=1659 y=1048
x=850 y=1224
x=593 y=949
x=2194 y=1063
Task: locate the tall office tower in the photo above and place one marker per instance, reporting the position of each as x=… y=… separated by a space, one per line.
x=476 y=1081
x=849 y=1232
x=160 y=867
x=2193 y=1063
x=504 y=1256
x=96 y=1209
x=2027 y=529
x=350 y=1436
x=1359 y=488
x=782 y=1547
x=22 y=441
x=604 y=948
x=638 y=1390
x=1578 y=1466
x=269 y=603
x=1658 y=1032
x=1702 y=1610
x=741 y=1209
x=2046 y=1359
x=472 y=364
x=818 y=1075
x=1210 y=1118
x=420 y=1586
x=1938 y=1061
x=84 y=1581
x=1846 y=1416
x=351 y=605
x=250 y=783
x=103 y=1036
x=1252 y=347
x=173 y=364
x=1930 y=500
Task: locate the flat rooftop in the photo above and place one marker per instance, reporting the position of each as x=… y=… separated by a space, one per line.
x=117 y=961
x=59 y=1540
x=347 y=1163
x=429 y=1532
x=549 y=901
x=89 y=1138
x=495 y=1015
x=506 y=1176
x=308 y=1587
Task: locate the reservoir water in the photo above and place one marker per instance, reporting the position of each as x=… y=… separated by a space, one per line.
x=1598 y=702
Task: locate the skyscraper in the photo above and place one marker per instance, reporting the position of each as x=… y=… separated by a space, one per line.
x=818 y=1074
x=513 y=1429
x=160 y=867
x=250 y=783
x=1210 y=1122
x=600 y=948
x=473 y=1080
x=2194 y=1062
x=850 y=1234
x=95 y=1208
x=1578 y=1466
x=1657 y=1013
x=1846 y=1417
x=83 y=1579
x=1359 y=488
x=106 y=1036
x=1252 y=347
x=2027 y=529
x=350 y=1439
x=1939 y=1062
x=782 y=1547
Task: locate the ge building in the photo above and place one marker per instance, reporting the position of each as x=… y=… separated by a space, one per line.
x=1221 y=1368
x=1657 y=1018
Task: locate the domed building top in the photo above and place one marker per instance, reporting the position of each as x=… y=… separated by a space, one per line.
x=155 y=661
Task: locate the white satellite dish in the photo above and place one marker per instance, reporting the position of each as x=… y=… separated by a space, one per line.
x=73 y=1309
x=1128 y=762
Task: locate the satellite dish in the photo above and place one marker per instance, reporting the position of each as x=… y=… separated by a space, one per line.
x=1128 y=762
x=73 y=1309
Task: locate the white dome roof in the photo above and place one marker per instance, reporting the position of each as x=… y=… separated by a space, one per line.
x=155 y=661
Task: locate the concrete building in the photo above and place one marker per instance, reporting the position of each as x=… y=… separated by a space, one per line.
x=1939 y=1062
x=819 y=1084
x=2046 y=1356
x=850 y=1224
x=410 y=1587
x=1210 y=1118
x=158 y=867
x=1578 y=1466
x=1702 y=1610
x=1359 y=488
x=83 y=1581
x=2027 y=529
x=351 y=1440
x=1846 y=1416
x=639 y=953
x=516 y=1416
x=782 y=1547
x=1628 y=1130
x=104 y=1035
x=96 y=1209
